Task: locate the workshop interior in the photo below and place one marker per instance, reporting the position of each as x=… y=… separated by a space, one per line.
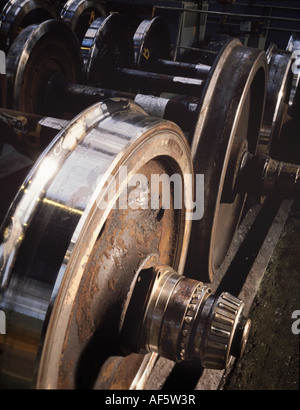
x=150 y=184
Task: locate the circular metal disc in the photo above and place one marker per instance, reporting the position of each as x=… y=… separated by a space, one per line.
x=293 y=47
x=228 y=124
x=3 y=90
x=19 y=14
x=3 y=93
x=80 y=14
x=71 y=249
x=38 y=53
x=151 y=42
x=106 y=46
x=278 y=90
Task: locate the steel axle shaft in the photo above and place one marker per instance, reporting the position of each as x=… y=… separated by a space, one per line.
x=178 y=318
x=181 y=109
x=262 y=175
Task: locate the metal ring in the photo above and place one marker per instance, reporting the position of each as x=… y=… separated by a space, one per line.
x=57 y=218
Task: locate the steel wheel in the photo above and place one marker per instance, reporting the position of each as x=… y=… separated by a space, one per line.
x=3 y=90
x=19 y=14
x=277 y=95
x=62 y=55
x=68 y=263
x=151 y=41
x=107 y=45
x=293 y=47
x=228 y=124
x=80 y=14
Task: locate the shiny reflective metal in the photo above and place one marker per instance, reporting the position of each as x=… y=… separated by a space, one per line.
x=106 y=46
x=181 y=320
x=19 y=14
x=227 y=121
x=277 y=96
x=151 y=42
x=67 y=263
x=80 y=14
x=109 y=54
x=293 y=47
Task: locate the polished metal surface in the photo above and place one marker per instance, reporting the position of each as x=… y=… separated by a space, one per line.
x=106 y=46
x=151 y=42
x=80 y=14
x=56 y=219
x=72 y=256
x=293 y=47
x=19 y=14
x=182 y=321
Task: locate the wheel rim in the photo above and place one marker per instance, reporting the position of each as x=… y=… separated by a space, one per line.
x=18 y=15
x=80 y=14
x=60 y=289
x=234 y=95
x=278 y=87
x=62 y=55
x=293 y=100
x=107 y=45
x=3 y=90
x=151 y=41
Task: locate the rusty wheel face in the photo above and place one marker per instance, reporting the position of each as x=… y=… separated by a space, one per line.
x=87 y=248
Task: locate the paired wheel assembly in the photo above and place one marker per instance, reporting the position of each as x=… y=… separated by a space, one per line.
x=100 y=260
x=73 y=296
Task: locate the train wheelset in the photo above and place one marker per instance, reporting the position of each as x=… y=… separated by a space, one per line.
x=101 y=287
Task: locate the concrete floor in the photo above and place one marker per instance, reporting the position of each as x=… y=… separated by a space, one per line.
x=271 y=359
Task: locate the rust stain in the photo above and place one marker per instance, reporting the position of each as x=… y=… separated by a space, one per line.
x=112 y=284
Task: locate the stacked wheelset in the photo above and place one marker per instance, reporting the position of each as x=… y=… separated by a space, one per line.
x=90 y=266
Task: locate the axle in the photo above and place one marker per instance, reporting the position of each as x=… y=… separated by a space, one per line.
x=61 y=94
x=152 y=46
x=160 y=82
x=200 y=71
x=181 y=320
x=256 y=174
x=28 y=131
x=264 y=176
